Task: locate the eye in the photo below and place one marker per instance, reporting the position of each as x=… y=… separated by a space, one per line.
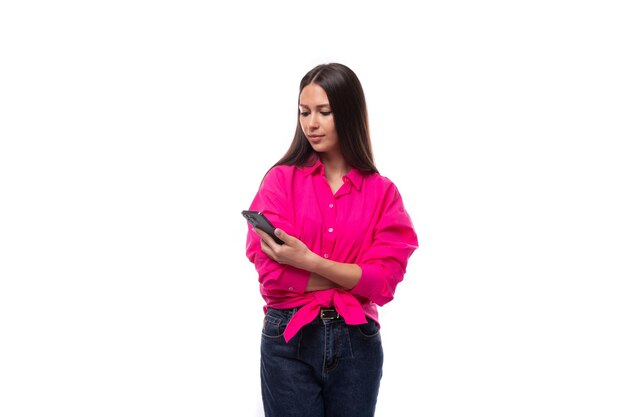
x=326 y=113
x=304 y=113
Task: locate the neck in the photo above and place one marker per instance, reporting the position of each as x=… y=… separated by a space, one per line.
x=334 y=165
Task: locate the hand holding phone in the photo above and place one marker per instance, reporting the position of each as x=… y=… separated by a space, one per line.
x=257 y=219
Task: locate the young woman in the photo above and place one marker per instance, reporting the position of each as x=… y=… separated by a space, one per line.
x=347 y=240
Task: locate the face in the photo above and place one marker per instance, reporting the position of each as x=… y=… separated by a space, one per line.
x=316 y=119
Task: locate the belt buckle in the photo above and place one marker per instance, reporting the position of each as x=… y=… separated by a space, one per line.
x=328 y=314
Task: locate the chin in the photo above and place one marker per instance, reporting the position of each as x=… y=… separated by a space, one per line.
x=318 y=147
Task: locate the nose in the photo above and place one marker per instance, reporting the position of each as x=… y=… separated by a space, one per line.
x=313 y=121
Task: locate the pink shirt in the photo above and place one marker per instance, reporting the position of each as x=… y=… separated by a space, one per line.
x=363 y=223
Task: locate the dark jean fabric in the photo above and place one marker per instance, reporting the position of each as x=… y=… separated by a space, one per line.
x=329 y=369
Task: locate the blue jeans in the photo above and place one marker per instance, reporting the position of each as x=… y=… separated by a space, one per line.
x=328 y=369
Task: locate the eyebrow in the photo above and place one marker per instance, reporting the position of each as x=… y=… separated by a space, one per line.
x=318 y=107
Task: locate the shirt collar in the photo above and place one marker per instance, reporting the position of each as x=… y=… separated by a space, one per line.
x=354 y=175
x=316 y=165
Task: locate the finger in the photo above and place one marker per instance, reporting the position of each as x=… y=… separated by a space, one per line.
x=266 y=249
x=265 y=238
x=282 y=235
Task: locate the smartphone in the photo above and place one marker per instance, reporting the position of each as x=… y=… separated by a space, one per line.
x=257 y=219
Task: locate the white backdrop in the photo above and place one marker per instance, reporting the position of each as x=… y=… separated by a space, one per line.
x=133 y=133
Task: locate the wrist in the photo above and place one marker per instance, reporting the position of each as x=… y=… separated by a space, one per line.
x=314 y=263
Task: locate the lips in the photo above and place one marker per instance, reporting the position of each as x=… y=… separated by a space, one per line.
x=315 y=138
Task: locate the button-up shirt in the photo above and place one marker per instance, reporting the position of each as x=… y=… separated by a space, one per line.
x=363 y=223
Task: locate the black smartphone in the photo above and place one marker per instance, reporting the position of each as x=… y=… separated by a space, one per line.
x=257 y=219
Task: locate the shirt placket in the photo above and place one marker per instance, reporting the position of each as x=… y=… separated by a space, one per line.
x=330 y=227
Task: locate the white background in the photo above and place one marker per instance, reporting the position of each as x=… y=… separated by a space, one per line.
x=133 y=133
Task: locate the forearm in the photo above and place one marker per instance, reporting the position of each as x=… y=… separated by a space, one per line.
x=344 y=275
x=318 y=283
x=295 y=253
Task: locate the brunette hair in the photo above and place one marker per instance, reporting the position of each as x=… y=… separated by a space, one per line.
x=347 y=102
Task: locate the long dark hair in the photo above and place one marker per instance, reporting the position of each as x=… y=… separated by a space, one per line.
x=347 y=101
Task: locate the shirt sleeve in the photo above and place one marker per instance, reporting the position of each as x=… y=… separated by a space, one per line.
x=384 y=263
x=271 y=200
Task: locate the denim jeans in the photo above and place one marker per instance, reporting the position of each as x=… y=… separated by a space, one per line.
x=328 y=369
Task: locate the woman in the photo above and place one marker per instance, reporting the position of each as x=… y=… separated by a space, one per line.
x=347 y=240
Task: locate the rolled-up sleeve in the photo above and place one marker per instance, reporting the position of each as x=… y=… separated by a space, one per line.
x=384 y=263
x=270 y=200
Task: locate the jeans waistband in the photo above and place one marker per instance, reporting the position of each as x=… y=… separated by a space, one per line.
x=326 y=313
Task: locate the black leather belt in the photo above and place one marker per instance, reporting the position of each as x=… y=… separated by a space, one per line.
x=329 y=314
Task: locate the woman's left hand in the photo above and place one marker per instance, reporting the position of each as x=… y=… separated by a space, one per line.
x=293 y=252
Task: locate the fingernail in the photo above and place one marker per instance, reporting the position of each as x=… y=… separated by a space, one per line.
x=278 y=232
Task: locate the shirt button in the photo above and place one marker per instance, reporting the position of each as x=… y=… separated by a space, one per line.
x=331 y=205
x=326 y=255
x=290 y=288
x=330 y=230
